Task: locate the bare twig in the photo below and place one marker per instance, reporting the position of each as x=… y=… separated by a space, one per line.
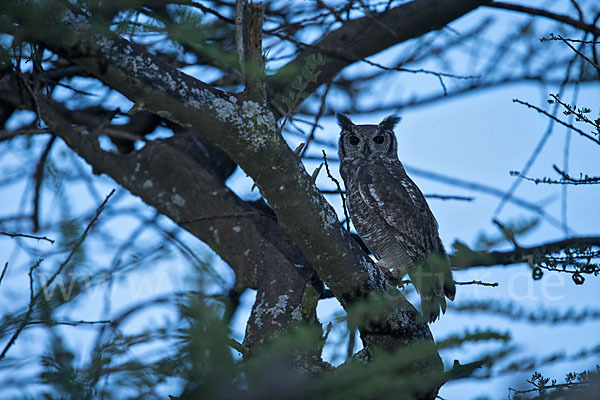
x=80 y=240
x=311 y=136
x=538 y=149
x=582 y=133
x=3 y=271
x=579 y=113
x=27 y=236
x=32 y=301
x=38 y=177
x=339 y=189
x=547 y=14
x=552 y=37
x=585 y=180
x=71 y=323
x=33 y=297
x=566 y=179
x=474 y=282
x=448 y=197
x=579 y=52
x=352 y=59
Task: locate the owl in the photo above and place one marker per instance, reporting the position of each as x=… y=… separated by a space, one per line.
x=390 y=213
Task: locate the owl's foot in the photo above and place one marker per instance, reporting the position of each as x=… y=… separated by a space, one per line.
x=394 y=273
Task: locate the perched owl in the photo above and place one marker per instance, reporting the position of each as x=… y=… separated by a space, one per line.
x=390 y=213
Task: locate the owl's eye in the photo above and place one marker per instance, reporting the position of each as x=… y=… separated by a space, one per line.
x=354 y=140
x=378 y=139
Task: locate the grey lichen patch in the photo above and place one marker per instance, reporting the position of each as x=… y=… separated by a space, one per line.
x=178 y=200
x=373 y=274
x=147 y=184
x=297 y=313
x=279 y=307
x=255 y=123
x=165 y=114
x=259 y=310
x=215 y=233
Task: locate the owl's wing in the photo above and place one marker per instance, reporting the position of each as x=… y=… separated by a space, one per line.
x=396 y=198
x=388 y=191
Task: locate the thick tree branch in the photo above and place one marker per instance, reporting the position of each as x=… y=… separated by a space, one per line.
x=361 y=38
x=175 y=176
x=248 y=133
x=465 y=258
x=565 y=19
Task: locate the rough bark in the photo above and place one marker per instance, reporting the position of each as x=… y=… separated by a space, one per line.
x=175 y=176
x=179 y=186
x=247 y=132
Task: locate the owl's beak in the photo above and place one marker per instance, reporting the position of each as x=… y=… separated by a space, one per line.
x=366 y=151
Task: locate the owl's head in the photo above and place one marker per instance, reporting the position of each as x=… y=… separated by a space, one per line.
x=368 y=142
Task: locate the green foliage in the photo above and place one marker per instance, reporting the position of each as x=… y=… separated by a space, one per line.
x=61 y=373
x=308 y=74
x=584 y=385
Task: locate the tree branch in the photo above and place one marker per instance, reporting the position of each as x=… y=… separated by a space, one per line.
x=361 y=38
x=247 y=237
x=248 y=133
x=464 y=258
x=565 y=19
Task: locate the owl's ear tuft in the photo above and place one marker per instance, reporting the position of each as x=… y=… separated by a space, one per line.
x=389 y=122
x=344 y=122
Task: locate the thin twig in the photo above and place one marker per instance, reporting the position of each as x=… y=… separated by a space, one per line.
x=582 y=133
x=448 y=197
x=566 y=179
x=474 y=282
x=582 y=181
x=33 y=297
x=339 y=188
x=572 y=110
x=311 y=136
x=38 y=178
x=32 y=301
x=552 y=37
x=353 y=59
x=538 y=149
x=237 y=346
x=71 y=323
x=27 y=236
x=544 y=13
x=3 y=271
x=578 y=52
x=80 y=240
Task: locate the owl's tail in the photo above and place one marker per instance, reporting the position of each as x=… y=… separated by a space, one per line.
x=434 y=283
